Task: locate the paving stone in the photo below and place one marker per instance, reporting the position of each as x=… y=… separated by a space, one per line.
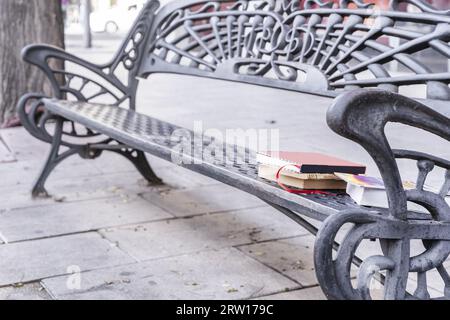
x=169 y=238
x=33 y=260
x=292 y=257
x=22 y=144
x=98 y=186
x=33 y=291
x=224 y=274
x=6 y=155
x=179 y=178
x=207 y=199
x=26 y=172
x=314 y=293
x=68 y=218
x=16 y=173
x=83 y=188
x=111 y=162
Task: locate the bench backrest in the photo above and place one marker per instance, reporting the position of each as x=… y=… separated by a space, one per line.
x=309 y=46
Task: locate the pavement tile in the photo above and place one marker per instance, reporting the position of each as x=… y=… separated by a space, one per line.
x=224 y=274
x=34 y=260
x=26 y=172
x=33 y=291
x=6 y=155
x=292 y=257
x=17 y=194
x=78 y=189
x=207 y=199
x=181 y=236
x=68 y=218
x=180 y=178
x=111 y=162
x=23 y=145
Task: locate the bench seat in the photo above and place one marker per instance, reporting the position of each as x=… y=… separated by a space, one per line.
x=156 y=137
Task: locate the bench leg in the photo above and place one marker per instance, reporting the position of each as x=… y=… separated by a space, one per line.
x=140 y=161
x=34 y=117
x=54 y=158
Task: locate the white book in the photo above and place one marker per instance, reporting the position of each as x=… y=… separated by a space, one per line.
x=371 y=192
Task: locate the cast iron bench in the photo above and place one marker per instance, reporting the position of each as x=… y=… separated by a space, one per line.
x=321 y=49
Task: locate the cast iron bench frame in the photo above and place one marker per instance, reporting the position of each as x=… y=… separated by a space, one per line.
x=321 y=48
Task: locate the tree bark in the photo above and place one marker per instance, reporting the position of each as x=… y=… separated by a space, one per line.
x=24 y=22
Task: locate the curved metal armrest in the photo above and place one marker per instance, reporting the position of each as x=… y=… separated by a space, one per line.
x=362 y=115
x=41 y=55
x=129 y=56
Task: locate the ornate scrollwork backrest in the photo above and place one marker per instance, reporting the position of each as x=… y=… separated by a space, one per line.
x=362 y=116
x=320 y=47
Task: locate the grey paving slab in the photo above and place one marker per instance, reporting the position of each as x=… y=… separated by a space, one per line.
x=87 y=187
x=224 y=274
x=179 y=178
x=6 y=154
x=314 y=293
x=205 y=199
x=22 y=144
x=16 y=173
x=25 y=172
x=170 y=238
x=77 y=189
x=68 y=218
x=33 y=260
x=111 y=162
x=292 y=257
x=33 y=291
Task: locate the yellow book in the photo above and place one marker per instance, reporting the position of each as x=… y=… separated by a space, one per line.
x=307 y=181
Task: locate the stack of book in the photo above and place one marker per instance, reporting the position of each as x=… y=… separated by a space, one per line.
x=305 y=171
x=315 y=172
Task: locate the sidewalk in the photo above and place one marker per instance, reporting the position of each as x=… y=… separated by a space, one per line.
x=192 y=238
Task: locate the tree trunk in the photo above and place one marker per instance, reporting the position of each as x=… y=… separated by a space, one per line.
x=24 y=22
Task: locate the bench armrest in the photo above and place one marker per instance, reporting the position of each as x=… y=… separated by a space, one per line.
x=115 y=80
x=99 y=76
x=362 y=115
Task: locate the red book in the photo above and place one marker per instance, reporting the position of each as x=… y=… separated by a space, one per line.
x=309 y=162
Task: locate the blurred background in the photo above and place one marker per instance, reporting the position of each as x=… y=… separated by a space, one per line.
x=117 y=16
x=107 y=16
